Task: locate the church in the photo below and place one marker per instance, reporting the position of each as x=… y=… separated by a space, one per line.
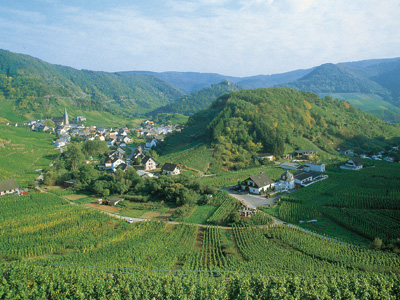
x=62 y=121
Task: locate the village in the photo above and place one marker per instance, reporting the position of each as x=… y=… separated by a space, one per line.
x=300 y=169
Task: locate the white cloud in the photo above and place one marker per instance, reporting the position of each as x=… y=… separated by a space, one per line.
x=259 y=37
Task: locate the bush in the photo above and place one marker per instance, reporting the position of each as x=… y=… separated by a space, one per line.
x=136 y=198
x=182 y=212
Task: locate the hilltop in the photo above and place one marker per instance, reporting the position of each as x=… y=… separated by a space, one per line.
x=198 y=100
x=279 y=120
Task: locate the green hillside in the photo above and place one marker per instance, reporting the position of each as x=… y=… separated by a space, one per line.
x=279 y=120
x=34 y=86
x=199 y=100
x=22 y=152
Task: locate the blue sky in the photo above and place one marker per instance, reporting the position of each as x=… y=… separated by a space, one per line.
x=237 y=38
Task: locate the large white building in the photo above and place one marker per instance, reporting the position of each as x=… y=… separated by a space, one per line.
x=257 y=184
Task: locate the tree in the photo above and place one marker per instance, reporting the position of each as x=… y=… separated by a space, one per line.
x=87 y=174
x=75 y=157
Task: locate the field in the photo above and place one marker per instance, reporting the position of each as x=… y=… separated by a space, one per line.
x=22 y=152
x=49 y=230
x=197 y=158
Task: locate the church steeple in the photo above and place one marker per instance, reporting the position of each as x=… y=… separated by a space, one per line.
x=66 y=121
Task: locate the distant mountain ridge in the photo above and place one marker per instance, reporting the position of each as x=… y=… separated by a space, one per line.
x=190 y=82
x=199 y=100
x=32 y=86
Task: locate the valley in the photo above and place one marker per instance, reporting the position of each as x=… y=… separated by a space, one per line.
x=156 y=186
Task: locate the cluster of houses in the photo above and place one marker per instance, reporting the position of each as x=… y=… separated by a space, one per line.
x=141 y=157
x=150 y=129
x=378 y=156
x=305 y=175
x=117 y=138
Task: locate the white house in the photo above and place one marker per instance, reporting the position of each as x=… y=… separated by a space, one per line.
x=113 y=163
x=309 y=166
x=257 y=184
x=286 y=182
x=353 y=164
x=149 y=163
x=59 y=143
x=9 y=186
x=170 y=169
x=151 y=143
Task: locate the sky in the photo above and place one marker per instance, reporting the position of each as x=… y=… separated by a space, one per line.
x=235 y=38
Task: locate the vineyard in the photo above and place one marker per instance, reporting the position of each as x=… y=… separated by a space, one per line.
x=82 y=246
x=366 y=202
x=37 y=282
x=223 y=213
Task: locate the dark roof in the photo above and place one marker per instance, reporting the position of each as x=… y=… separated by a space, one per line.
x=8 y=185
x=169 y=167
x=261 y=179
x=304 y=151
x=123 y=166
x=146 y=159
x=303 y=175
x=287 y=176
x=356 y=161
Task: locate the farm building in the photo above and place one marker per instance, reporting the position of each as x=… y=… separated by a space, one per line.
x=257 y=184
x=307 y=153
x=9 y=186
x=307 y=178
x=309 y=166
x=291 y=166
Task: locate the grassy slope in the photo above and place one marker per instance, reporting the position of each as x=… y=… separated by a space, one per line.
x=370 y=103
x=22 y=152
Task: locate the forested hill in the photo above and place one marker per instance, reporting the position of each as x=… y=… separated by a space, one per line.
x=34 y=85
x=190 y=104
x=375 y=77
x=280 y=120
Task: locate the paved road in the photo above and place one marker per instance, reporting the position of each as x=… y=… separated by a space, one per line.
x=252 y=200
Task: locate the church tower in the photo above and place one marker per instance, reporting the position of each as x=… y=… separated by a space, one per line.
x=66 y=121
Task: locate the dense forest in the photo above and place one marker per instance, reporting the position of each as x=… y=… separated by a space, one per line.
x=279 y=120
x=34 y=85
